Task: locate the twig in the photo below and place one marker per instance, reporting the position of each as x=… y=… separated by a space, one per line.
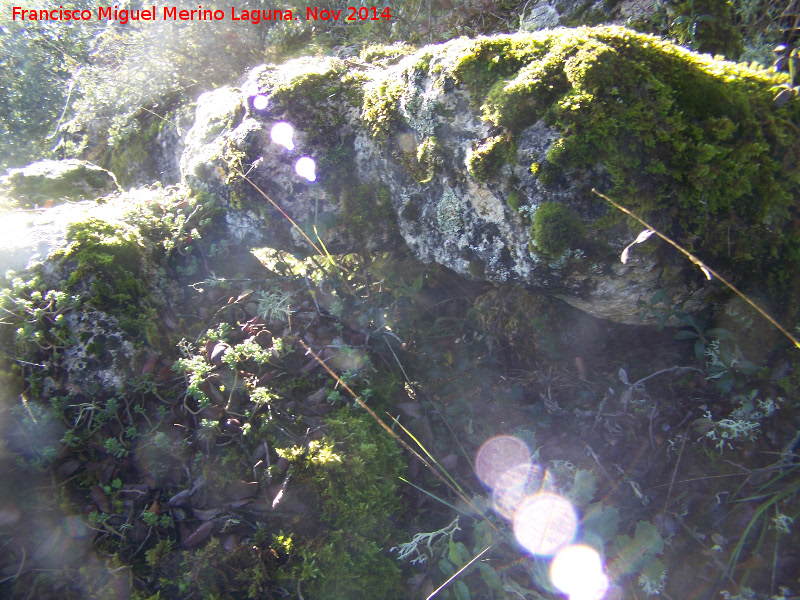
x=19 y=570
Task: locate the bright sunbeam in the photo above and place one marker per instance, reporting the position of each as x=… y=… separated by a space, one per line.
x=282 y=134
x=544 y=523
x=578 y=572
x=498 y=455
x=306 y=167
x=260 y=102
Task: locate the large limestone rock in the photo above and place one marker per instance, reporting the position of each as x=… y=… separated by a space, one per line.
x=481 y=155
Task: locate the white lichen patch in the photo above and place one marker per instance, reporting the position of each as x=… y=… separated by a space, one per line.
x=449 y=212
x=486 y=204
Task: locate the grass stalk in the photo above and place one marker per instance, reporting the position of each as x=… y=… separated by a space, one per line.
x=707 y=271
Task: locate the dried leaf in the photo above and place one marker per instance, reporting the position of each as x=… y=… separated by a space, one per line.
x=205 y=515
x=100 y=499
x=199 y=535
x=639 y=239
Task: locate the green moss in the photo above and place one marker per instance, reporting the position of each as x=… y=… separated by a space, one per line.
x=107 y=258
x=486 y=61
x=689 y=142
x=54 y=181
x=358 y=491
x=348 y=566
x=556 y=228
x=484 y=161
x=380 y=111
x=513 y=200
x=353 y=471
x=422 y=164
x=382 y=53
x=132 y=153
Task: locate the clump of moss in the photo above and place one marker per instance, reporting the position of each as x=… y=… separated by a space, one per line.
x=380 y=113
x=354 y=472
x=346 y=566
x=55 y=181
x=556 y=228
x=422 y=165
x=486 y=61
x=381 y=53
x=484 y=161
x=107 y=259
x=134 y=152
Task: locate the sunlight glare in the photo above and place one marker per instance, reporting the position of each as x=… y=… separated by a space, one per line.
x=578 y=572
x=306 y=167
x=517 y=483
x=260 y=102
x=282 y=133
x=544 y=523
x=498 y=455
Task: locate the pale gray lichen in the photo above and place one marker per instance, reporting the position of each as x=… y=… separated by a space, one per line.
x=448 y=212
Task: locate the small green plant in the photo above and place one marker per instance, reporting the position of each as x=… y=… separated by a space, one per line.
x=273 y=304
x=686 y=26
x=152 y=519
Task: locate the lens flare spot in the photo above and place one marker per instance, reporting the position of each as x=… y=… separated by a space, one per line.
x=544 y=523
x=306 y=167
x=282 y=134
x=260 y=102
x=578 y=572
x=516 y=484
x=498 y=455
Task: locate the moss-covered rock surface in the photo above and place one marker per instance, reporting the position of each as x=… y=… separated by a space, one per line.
x=469 y=139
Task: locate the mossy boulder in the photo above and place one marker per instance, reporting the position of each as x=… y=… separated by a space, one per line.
x=57 y=181
x=691 y=143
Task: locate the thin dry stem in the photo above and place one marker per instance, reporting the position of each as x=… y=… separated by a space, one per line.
x=707 y=271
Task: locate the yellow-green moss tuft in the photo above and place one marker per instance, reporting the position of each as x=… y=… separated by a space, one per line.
x=556 y=228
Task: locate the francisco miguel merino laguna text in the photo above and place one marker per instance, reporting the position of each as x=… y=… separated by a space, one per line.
x=361 y=13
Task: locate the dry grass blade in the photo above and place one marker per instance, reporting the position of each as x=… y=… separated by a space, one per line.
x=461 y=570
x=288 y=218
x=707 y=271
x=388 y=429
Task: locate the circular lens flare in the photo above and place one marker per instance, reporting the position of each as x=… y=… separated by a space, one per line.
x=282 y=134
x=516 y=484
x=260 y=102
x=306 y=168
x=498 y=455
x=544 y=523
x=578 y=572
